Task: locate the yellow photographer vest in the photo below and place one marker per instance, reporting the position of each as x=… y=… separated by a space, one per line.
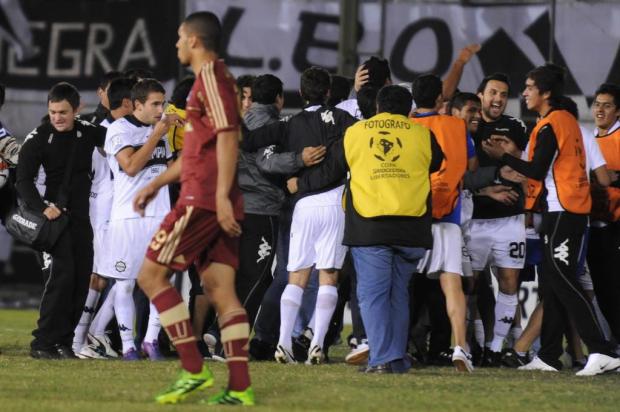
x=389 y=158
x=175 y=133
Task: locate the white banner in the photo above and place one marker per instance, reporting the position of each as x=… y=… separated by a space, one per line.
x=286 y=36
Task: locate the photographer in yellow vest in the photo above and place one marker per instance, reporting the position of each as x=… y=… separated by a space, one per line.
x=387 y=216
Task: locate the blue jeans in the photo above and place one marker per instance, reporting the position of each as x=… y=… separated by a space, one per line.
x=383 y=274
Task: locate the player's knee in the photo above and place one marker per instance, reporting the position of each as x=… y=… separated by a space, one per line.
x=152 y=277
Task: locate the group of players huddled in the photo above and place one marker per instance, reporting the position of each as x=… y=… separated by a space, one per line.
x=216 y=181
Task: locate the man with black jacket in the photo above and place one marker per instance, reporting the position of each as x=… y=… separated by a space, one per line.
x=310 y=246
x=51 y=145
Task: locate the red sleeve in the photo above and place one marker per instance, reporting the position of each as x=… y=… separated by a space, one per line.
x=222 y=101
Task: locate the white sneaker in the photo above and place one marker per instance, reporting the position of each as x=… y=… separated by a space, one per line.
x=537 y=364
x=315 y=356
x=210 y=341
x=461 y=360
x=599 y=363
x=283 y=355
x=105 y=345
x=90 y=352
x=358 y=354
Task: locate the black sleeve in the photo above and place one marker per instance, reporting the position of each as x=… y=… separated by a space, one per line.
x=99 y=136
x=546 y=147
x=30 y=159
x=519 y=134
x=615 y=184
x=272 y=134
x=331 y=170
x=482 y=177
x=436 y=155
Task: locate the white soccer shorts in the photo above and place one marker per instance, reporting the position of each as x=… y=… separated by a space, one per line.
x=316 y=237
x=99 y=248
x=499 y=242
x=127 y=241
x=447 y=252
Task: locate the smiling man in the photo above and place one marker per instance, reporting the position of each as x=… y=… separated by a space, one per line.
x=603 y=249
x=558 y=188
x=50 y=145
x=466 y=106
x=497 y=231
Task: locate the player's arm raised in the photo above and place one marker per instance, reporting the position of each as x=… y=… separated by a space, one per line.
x=131 y=160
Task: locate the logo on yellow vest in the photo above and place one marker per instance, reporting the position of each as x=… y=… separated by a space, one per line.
x=386 y=148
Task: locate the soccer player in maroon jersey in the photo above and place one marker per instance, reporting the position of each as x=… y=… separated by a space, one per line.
x=203 y=225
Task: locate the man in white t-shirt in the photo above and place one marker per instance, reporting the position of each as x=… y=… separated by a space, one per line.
x=137 y=152
x=101 y=194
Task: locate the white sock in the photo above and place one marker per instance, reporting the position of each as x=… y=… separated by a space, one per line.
x=535 y=347
x=289 y=308
x=312 y=323
x=79 y=335
x=516 y=332
x=479 y=332
x=104 y=314
x=326 y=301
x=125 y=310
x=505 y=308
x=152 y=332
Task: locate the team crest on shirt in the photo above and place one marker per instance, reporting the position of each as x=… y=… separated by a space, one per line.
x=120 y=266
x=386 y=148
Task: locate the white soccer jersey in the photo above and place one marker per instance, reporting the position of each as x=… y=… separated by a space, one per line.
x=130 y=132
x=594 y=157
x=101 y=191
x=350 y=106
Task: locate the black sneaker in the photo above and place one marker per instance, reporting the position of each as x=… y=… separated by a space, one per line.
x=476 y=354
x=491 y=359
x=261 y=350
x=301 y=345
x=44 y=353
x=443 y=358
x=65 y=352
x=511 y=359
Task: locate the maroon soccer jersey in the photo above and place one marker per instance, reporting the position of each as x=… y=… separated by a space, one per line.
x=212 y=108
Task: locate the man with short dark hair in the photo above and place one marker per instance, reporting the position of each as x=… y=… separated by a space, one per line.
x=558 y=187
x=102 y=190
x=51 y=145
x=446 y=257
x=374 y=72
x=387 y=216
x=316 y=125
x=137 y=151
x=244 y=85
x=203 y=225
x=466 y=106
x=103 y=107
x=367 y=101
x=603 y=248
x=497 y=230
x=261 y=180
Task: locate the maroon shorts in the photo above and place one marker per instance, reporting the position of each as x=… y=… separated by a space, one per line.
x=189 y=234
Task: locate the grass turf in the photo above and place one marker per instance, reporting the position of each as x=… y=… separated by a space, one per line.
x=114 y=386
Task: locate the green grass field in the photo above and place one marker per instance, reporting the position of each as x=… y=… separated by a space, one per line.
x=114 y=386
